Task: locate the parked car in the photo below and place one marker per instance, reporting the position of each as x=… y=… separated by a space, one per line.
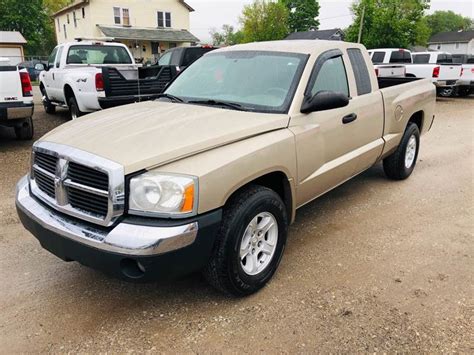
x=465 y=85
x=73 y=76
x=123 y=86
x=437 y=66
x=16 y=99
x=34 y=67
x=210 y=176
x=390 y=62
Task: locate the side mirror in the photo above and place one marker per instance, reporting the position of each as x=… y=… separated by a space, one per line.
x=325 y=100
x=39 y=66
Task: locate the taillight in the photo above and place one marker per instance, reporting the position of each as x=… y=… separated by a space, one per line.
x=462 y=71
x=436 y=72
x=376 y=72
x=99 y=82
x=26 y=84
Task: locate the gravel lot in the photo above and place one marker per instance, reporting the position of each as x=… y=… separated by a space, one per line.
x=373 y=266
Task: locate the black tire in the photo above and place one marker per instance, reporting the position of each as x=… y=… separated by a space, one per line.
x=48 y=106
x=74 y=108
x=394 y=165
x=224 y=270
x=26 y=131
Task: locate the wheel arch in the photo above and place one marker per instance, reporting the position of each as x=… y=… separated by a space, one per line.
x=277 y=181
x=418 y=119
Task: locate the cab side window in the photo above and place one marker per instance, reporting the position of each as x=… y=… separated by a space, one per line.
x=51 y=58
x=331 y=77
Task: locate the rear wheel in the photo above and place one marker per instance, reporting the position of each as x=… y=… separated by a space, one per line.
x=48 y=106
x=74 y=108
x=401 y=163
x=250 y=242
x=25 y=131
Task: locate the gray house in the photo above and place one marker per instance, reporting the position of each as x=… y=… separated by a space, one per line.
x=456 y=42
x=335 y=34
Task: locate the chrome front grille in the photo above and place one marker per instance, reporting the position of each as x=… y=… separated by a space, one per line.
x=77 y=183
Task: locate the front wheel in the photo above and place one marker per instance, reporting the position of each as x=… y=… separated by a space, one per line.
x=74 y=108
x=25 y=132
x=250 y=242
x=401 y=163
x=48 y=106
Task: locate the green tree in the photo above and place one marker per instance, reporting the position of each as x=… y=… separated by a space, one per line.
x=445 y=21
x=389 y=23
x=226 y=37
x=264 y=21
x=32 y=19
x=303 y=14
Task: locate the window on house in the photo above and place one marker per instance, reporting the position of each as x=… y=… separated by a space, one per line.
x=74 y=18
x=117 y=15
x=65 y=33
x=121 y=16
x=438 y=46
x=164 y=19
x=68 y=22
x=125 y=17
x=457 y=45
x=83 y=13
x=59 y=25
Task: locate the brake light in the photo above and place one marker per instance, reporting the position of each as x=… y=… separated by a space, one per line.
x=99 y=82
x=26 y=84
x=376 y=72
x=436 y=72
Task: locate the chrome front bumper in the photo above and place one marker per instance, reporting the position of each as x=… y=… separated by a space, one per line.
x=124 y=238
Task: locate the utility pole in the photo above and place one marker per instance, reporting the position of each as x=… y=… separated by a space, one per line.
x=361 y=25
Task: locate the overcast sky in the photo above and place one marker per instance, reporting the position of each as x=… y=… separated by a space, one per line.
x=333 y=13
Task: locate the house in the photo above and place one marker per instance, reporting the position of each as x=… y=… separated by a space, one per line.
x=455 y=42
x=147 y=27
x=11 y=46
x=335 y=34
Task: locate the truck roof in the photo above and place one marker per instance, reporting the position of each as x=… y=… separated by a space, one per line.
x=292 y=46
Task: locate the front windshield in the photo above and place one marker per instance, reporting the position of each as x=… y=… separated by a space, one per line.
x=258 y=81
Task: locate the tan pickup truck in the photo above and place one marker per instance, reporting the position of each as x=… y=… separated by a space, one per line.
x=209 y=176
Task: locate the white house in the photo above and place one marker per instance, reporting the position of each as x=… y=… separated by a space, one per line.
x=147 y=27
x=455 y=42
x=11 y=46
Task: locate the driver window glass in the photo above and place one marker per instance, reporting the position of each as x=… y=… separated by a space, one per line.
x=58 y=57
x=52 y=57
x=331 y=77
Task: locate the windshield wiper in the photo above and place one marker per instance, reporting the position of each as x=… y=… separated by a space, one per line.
x=171 y=97
x=231 y=105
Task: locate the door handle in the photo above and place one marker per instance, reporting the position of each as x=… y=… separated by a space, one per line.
x=349 y=118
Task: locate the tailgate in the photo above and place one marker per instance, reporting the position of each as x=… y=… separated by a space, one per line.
x=10 y=84
x=144 y=81
x=449 y=72
x=391 y=70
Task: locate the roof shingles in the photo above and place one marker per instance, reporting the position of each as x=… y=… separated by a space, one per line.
x=148 y=34
x=453 y=36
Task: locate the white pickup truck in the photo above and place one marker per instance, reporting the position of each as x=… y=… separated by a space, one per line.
x=73 y=76
x=435 y=65
x=16 y=99
x=390 y=62
x=465 y=85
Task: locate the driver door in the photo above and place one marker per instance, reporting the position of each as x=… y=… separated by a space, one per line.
x=325 y=140
x=47 y=76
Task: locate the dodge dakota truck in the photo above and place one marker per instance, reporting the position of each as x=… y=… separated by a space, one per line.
x=209 y=176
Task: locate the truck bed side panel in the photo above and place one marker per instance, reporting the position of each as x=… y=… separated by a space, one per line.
x=401 y=103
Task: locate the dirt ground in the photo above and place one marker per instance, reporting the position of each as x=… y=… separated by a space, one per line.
x=373 y=266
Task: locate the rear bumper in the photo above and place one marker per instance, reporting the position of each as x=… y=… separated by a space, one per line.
x=468 y=83
x=445 y=83
x=15 y=110
x=113 y=101
x=136 y=249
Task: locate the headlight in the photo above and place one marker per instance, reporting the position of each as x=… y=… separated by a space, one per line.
x=159 y=194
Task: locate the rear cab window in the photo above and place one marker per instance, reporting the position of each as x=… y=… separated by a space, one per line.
x=400 y=56
x=378 y=57
x=421 y=58
x=98 y=54
x=444 y=59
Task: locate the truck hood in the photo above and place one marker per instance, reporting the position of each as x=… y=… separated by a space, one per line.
x=153 y=133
